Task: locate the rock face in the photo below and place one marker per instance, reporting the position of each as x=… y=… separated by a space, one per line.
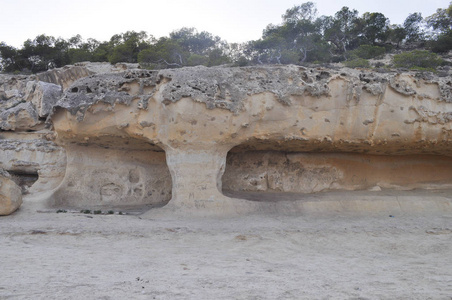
x=188 y=137
x=10 y=194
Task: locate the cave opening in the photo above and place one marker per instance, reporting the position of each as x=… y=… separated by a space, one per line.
x=114 y=173
x=24 y=179
x=284 y=171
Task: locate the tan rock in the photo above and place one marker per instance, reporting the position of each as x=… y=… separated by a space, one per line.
x=10 y=194
x=21 y=117
x=382 y=130
x=208 y=140
x=29 y=155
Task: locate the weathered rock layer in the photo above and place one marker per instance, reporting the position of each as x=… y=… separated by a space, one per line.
x=138 y=137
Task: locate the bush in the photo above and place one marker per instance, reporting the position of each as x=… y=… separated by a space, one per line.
x=242 y=62
x=367 y=52
x=442 y=44
x=197 y=60
x=417 y=59
x=357 y=63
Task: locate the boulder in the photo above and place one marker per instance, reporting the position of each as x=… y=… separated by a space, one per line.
x=43 y=96
x=10 y=194
x=20 y=117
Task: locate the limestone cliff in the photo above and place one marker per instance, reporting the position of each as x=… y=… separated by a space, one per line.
x=119 y=136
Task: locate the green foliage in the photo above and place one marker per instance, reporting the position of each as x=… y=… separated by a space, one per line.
x=442 y=44
x=185 y=47
x=10 y=59
x=441 y=23
x=166 y=53
x=79 y=55
x=413 y=28
x=197 y=60
x=304 y=12
x=396 y=34
x=242 y=61
x=417 y=59
x=127 y=46
x=374 y=28
x=217 y=57
x=341 y=30
x=367 y=52
x=301 y=37
x=357 y=63
x=294 y=41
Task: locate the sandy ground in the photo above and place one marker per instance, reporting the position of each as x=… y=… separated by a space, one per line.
x=86 y=256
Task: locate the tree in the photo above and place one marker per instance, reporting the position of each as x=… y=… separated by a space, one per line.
x=127 y=46
x=166 y=53
x=340 y=30
x=374 y=28
x=45 y=52
x=193 y=42
x=293 y=41
x=185 y=47
x=413 y=28
x=397 y=34
x=441 y=21
x=10 y=59
x=304 y=12
x=441 y=24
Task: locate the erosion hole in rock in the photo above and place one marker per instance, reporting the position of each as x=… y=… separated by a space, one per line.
x=24 y=179
x=272 y=175
x=115 y=174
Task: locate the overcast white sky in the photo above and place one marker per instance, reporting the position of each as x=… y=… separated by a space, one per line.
x=232 y=20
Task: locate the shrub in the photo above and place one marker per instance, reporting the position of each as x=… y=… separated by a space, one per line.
x=367 y=52
x=442 y=44
x=417 y=59
x=197 y=60
x=357 y=63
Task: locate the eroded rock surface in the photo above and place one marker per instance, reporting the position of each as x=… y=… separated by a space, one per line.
x=140 y=137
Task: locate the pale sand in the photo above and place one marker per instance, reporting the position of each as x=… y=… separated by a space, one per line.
x=76 y=256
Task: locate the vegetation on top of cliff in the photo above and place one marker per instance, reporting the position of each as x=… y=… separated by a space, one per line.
x=417 y=60
x=302 y=37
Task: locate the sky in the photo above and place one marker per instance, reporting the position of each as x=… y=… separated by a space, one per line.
x=235 y=21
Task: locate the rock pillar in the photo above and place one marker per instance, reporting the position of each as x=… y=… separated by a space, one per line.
x=196 y=176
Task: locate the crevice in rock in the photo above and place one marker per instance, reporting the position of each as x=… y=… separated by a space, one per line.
x=24 y=179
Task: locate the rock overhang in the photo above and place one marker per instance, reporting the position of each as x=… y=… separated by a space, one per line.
x=140 y=137
x=298 y=108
